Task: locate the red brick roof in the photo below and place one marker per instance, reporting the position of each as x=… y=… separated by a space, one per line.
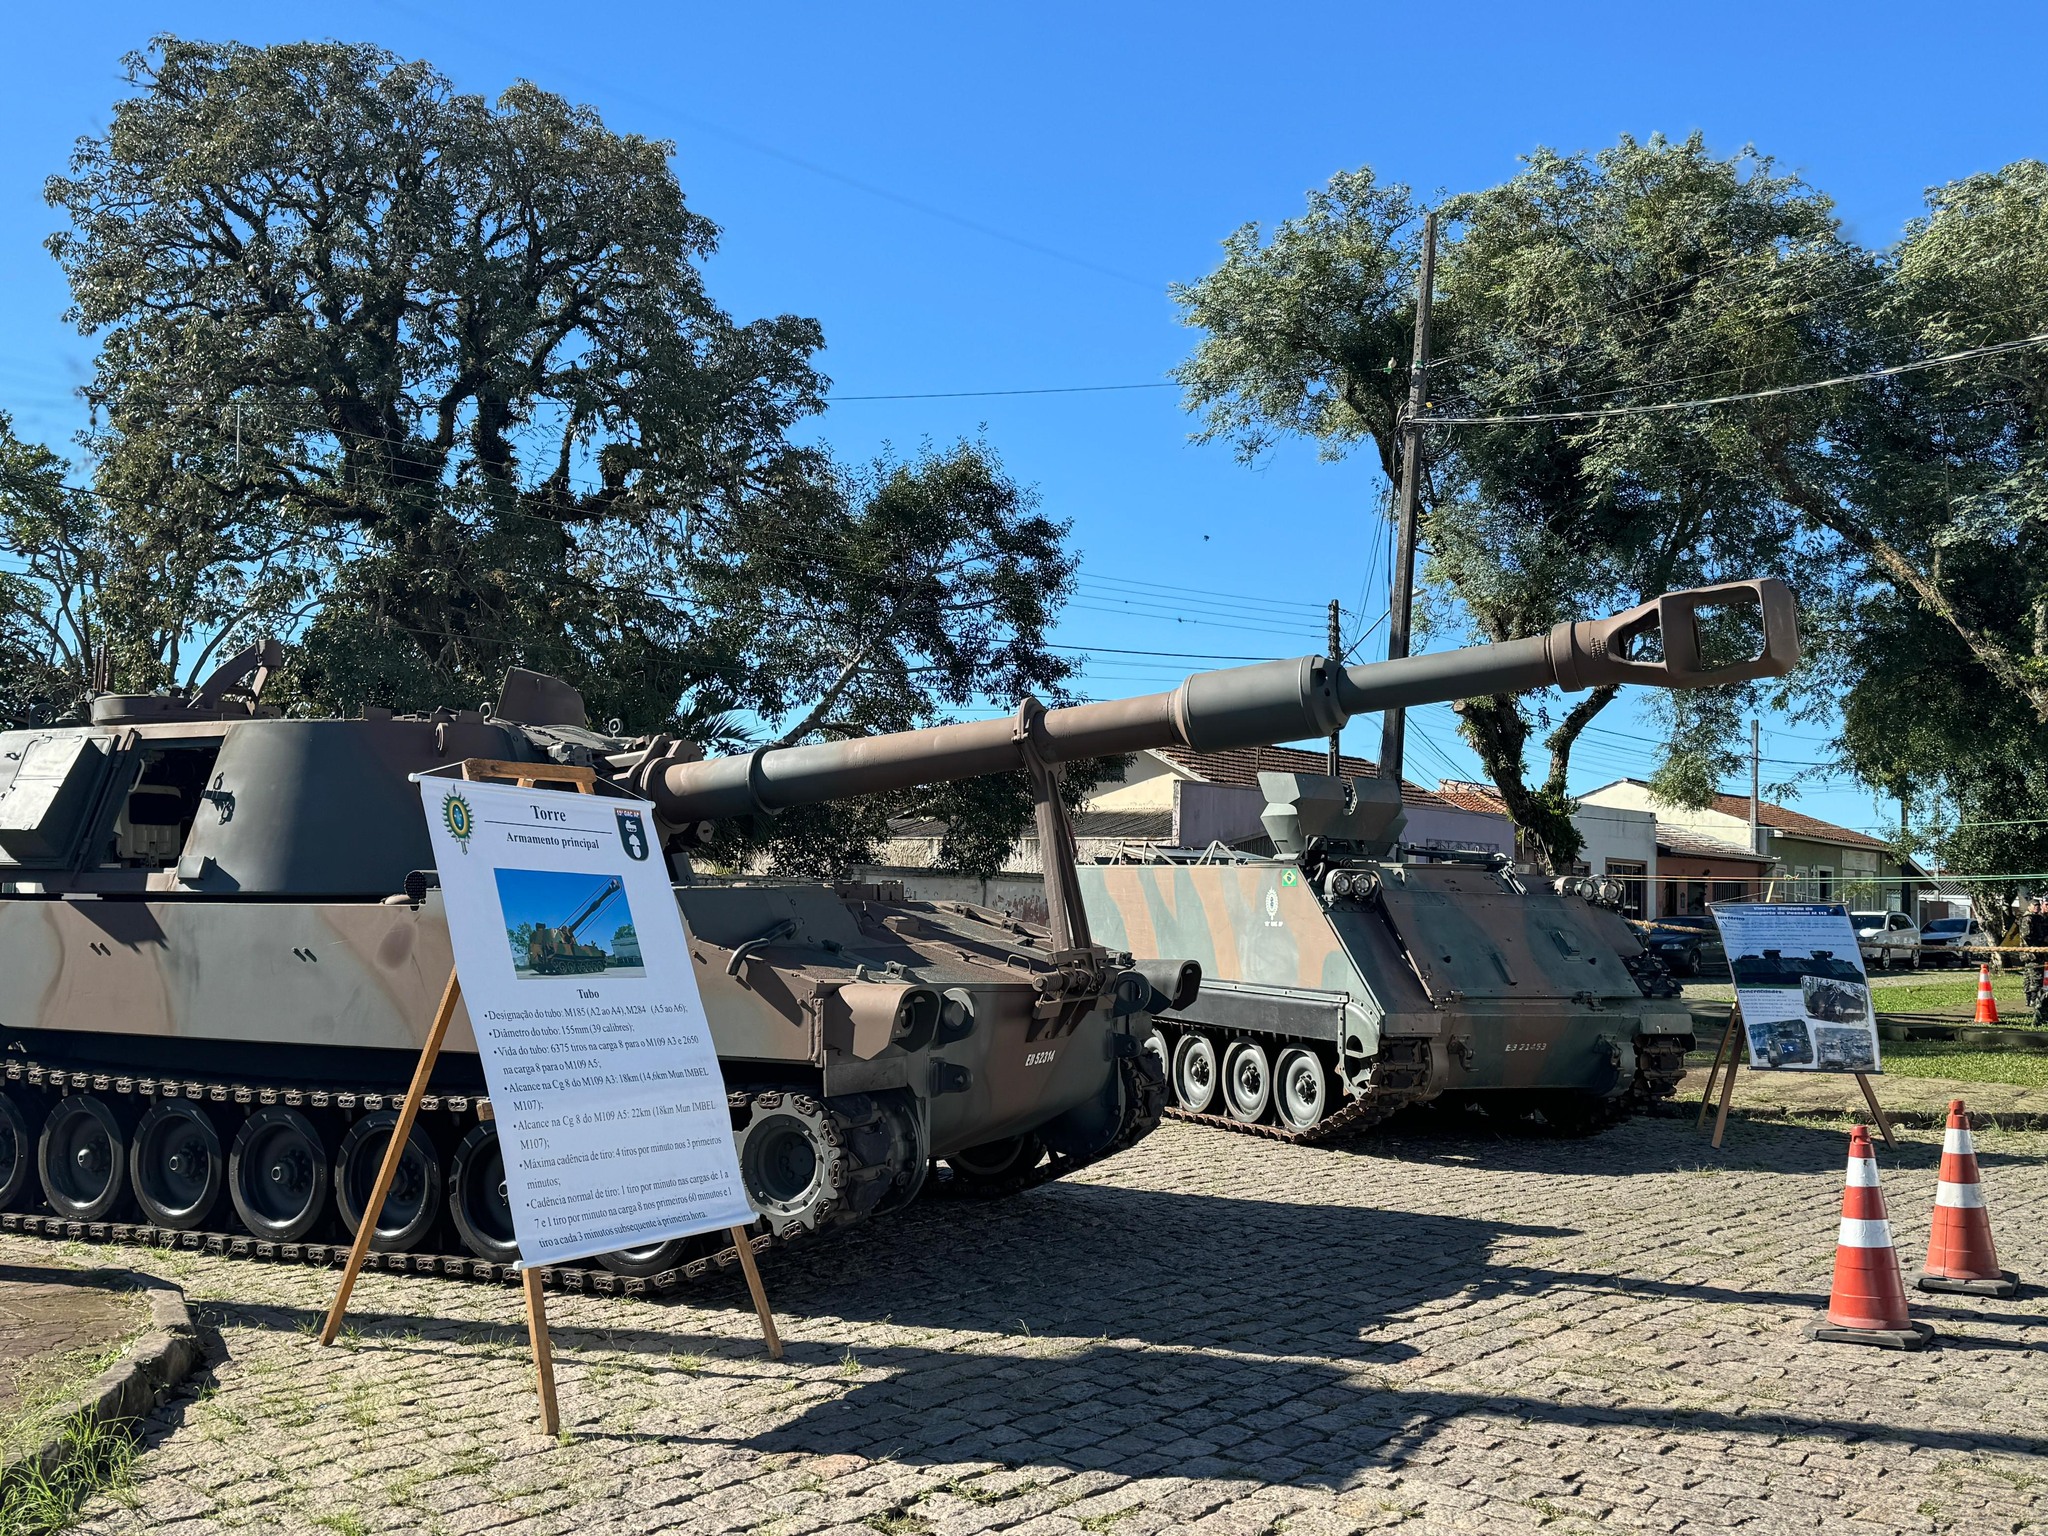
x=1467 y=796
x=1243 y=765
x=1794 y=824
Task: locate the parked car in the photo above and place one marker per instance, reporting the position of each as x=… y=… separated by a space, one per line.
x=1887 y=939
x=1685 y=942
x=1942 y=939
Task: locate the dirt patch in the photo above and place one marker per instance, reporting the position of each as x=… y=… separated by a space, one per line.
x=56 y=1335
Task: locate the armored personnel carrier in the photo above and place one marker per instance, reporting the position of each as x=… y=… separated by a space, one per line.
x=220 y=948
x=1350 y=975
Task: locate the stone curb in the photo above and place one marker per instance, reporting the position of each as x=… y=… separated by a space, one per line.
x=1912 y=1119
x=136 y=1383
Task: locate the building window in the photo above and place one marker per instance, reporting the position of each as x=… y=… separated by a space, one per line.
x=1635 y=885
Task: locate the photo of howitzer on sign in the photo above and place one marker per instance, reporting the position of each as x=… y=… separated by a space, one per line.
x=559 y=923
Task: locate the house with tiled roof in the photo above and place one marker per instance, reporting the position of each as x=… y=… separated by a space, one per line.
x=1214 y=797
x=1175 y=798
x=1616 y=842
x=1796 y=857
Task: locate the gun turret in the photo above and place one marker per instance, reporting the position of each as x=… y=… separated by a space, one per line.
x=1659 y=644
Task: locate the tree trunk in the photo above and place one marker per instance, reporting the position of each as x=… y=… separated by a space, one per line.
x=1499 y=732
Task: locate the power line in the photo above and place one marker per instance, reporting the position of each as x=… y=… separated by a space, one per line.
x=1754 y=394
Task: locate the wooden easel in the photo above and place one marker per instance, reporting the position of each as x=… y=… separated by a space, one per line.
x=526 y=776
x=1731 y=1049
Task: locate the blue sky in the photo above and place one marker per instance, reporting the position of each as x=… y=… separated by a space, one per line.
x=980 y=200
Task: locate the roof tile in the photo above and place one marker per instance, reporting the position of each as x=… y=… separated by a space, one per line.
x=1241 y=766
x=1795 y=823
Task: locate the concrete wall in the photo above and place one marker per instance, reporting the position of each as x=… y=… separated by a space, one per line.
x=1147 y=785
x=1446 y=826
x=1022 y=896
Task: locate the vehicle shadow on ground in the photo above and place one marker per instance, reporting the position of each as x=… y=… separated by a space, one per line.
x=1094 y=1261
x=1472 y=1138
x=1151 y=1413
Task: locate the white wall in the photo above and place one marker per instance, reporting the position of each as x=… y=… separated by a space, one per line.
x=1637 y=797
x=1612 y=832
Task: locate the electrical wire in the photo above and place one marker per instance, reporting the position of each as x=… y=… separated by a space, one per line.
x=1610 y=412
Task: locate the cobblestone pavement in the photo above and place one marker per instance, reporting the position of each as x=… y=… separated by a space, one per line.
x=47 y=1317
x=1210 y=1333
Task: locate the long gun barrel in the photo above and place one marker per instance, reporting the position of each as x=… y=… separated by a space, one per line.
x=1658 y=644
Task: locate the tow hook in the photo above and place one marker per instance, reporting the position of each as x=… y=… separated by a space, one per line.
x=1462 y=1049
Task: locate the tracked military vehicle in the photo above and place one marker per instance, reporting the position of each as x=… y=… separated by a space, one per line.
x=1349 y=975
x=220 y=947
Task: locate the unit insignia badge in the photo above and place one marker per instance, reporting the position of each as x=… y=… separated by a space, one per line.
x=633 y=833
x=459 y=819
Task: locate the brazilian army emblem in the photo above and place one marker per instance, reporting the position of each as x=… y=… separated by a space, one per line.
x=459 y=819
x=633 y=833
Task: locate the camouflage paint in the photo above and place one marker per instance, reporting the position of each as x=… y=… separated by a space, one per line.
x=1521 y=989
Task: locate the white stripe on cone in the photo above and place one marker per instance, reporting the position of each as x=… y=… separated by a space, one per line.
x=1958 y=1141
x=1960 y=1197
x=1863 y=1173
x=1864 y=1234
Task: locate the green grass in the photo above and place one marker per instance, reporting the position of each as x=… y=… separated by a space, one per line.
x=1955 y=994
x=96 y=1458
x=1940 y=1058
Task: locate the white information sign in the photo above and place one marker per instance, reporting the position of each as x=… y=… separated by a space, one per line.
x=1800 y=983
x=570 y=949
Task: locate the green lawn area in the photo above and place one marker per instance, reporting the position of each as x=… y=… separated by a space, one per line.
x=1955 y=993
x=1942 y=1058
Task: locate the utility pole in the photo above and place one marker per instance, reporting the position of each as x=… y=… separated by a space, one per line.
x=1906 y=902
x=1755 y=803
x=1336 y=660
x=1394 y=724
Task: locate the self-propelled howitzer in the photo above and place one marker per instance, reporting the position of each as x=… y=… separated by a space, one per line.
x=221 y=942
x=1342 y=981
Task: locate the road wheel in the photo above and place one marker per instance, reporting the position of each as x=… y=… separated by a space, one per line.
x=17 y=1154
x=646 y=1261
x=1301 y=1089
x=277 y=1175
x=176 y=1166
x=477 y=1197
x=1161 y=1053
x=1194 y=1072
x=412 y=1203
x=994 y=1168
x=83 y=1159
x=1247 y=1081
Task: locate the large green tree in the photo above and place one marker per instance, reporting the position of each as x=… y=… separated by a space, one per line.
x=431 y=384
x=1937 y=481
x=1592 y=279
x=465 y=342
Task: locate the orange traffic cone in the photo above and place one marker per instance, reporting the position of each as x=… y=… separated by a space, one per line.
x=1960 y=1253
x=1868 y=1302
x=1987 y=1005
